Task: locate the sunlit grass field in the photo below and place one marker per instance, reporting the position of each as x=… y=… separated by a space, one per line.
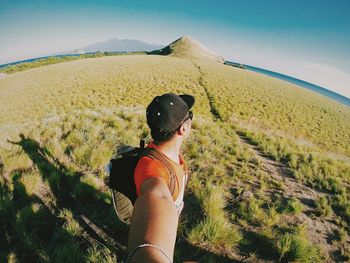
x=21 y=66
x=278 y=106
x=61 y=123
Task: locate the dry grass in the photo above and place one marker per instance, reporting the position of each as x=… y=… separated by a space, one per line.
x=73 y=116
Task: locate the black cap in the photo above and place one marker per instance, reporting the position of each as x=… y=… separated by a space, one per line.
x=166 y=112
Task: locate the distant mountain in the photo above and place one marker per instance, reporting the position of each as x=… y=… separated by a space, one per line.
x=75 y=51
x=188 y=47
x=116 y=44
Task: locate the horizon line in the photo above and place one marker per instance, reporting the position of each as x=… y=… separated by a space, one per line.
x=233 y=62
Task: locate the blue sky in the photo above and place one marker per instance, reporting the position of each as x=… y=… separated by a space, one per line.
x=306 y=39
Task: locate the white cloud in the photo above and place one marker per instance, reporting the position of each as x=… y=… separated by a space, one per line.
x=322 y=72
x=325 y=75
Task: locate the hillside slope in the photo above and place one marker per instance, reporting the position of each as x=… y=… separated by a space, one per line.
x=188 y=48
x=269 y=162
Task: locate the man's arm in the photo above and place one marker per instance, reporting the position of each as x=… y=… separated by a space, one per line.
x=154 y=221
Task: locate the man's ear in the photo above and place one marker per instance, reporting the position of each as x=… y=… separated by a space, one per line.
x=181 y=130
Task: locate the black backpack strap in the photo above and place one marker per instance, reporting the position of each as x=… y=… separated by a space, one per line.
x=155 y=154
x=142 y=144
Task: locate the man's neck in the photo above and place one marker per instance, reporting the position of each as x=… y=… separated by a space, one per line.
x=171 y=149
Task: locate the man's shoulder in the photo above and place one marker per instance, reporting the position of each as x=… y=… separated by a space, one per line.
x=146 y=168
x=148 y=164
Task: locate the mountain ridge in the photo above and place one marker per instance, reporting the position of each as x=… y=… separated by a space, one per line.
x=116 y=44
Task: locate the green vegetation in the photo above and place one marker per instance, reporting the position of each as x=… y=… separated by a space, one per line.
x=261 y=103
x=294 y=206
x=214 y=232
x=323 y=206
x=62 y=123
x=293 y=247
x=54 y=59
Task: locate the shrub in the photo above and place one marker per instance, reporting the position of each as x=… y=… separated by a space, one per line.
x=323 y=207
x=294 y=206
x=293 y=247
x=68 y=252
x=284 y=245
x=301 y=250
x=214 y=231
x=31 y=183
x=97 y=254
x=70 y=224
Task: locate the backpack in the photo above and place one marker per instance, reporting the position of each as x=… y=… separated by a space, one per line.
x=121 y=177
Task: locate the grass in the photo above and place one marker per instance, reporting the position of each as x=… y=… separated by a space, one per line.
x=294 y=206
x=73 y=115
x=215 y=232
x=70 y=224
x=312 y=166
x=246 y=98
x=323 y=207
x=293 y=247
x=104 y=82
x=10 y=69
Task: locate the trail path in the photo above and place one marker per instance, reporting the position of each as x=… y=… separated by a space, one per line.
x=214 y=111
x=321 y=231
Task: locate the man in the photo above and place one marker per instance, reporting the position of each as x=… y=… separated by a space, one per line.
x=155 y=216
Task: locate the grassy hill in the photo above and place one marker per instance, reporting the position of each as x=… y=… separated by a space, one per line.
x=188 y=48
x=269 y=161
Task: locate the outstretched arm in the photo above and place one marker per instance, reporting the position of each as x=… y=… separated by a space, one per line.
x=154 y=221
x=13 y=142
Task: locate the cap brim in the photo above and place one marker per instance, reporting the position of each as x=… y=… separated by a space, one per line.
x=188 y=99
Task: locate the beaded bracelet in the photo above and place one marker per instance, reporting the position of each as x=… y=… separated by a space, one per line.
x=147 y=245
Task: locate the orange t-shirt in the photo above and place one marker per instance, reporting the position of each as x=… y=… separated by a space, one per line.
x=147 y=168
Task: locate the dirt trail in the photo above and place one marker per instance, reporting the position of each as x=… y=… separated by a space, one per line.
x=321 y=231
x=214 y=111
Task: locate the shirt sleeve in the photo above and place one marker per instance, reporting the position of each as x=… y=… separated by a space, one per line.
x=147 y=168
